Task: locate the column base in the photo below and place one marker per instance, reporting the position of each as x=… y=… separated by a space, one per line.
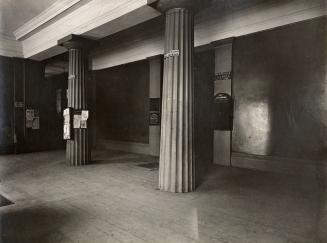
x=77 y=150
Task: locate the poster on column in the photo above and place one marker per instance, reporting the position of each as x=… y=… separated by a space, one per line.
x=29 y=118
x=67 y=124
x=36 y=120
x=84 y=118
x=77 y=121
x=36 y=123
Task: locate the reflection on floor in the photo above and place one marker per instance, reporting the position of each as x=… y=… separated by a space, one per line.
x=115 y=200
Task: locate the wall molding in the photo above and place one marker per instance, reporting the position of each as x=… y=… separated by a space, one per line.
x=100 y=18
x=9 y=46
x=50 y=13
x=282 y=165
x=211 y=27
x=263 y=16
x=83 y=21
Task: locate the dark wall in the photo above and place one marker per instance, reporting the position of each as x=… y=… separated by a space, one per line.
x=52 y=120
x=122 y=103
x=280 y=92
x=6 y=105
x=40 y=93
x=23 y=86
x=34 y=140
x=204 y=71
x=19 y=96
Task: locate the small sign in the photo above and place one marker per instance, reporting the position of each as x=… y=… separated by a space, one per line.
x=154 y=113
x=85 y=115
x=172 y=53
x=154 y=118
x=66 y=112
x=84 y=124
x=67 y=132
x=29 y=114
x=84 y=118
x=223 y=75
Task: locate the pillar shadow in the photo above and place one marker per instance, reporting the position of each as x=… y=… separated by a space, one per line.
x=101 y=157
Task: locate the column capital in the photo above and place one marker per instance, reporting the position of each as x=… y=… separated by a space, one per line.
x=76 y=42
x=165 y=5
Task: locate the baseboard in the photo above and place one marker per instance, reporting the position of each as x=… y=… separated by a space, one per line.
x=132 y=147
x=9 y=149
x=307 y=168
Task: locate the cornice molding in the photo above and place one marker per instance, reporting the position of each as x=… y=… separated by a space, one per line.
x=209 y=28
x=47 y=15
x=94 y=15
x=9 y=46
x=260 y=17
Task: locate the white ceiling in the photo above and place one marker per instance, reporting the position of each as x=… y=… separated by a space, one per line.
x=14 y=13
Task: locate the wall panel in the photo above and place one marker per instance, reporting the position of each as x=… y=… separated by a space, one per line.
x=122 y=103
x=281 y=92
x=204 y=72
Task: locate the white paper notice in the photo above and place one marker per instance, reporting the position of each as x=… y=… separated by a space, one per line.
x=66 y=131
x=85 y=115
x=36 y=123
x=83 y=124
x=77 y=121
x=29 y=114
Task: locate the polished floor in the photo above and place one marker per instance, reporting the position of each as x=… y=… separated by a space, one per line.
x=115 y=200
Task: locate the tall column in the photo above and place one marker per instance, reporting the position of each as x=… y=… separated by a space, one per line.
x=77 y=149
x=176 y=164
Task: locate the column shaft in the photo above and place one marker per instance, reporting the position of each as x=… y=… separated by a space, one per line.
x=78 y=152
x=176 y=170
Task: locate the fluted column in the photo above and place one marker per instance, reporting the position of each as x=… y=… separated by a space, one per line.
x=176 y=169
x=77 y=149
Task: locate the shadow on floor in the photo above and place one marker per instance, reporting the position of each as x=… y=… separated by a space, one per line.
x=34 y=225
x=236 y=179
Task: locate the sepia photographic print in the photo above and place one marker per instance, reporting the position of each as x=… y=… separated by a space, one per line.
x=163 y=121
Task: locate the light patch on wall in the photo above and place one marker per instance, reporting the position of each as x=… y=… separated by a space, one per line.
x=256 y=123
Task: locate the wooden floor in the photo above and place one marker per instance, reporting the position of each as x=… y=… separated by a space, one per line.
x=115 y=200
